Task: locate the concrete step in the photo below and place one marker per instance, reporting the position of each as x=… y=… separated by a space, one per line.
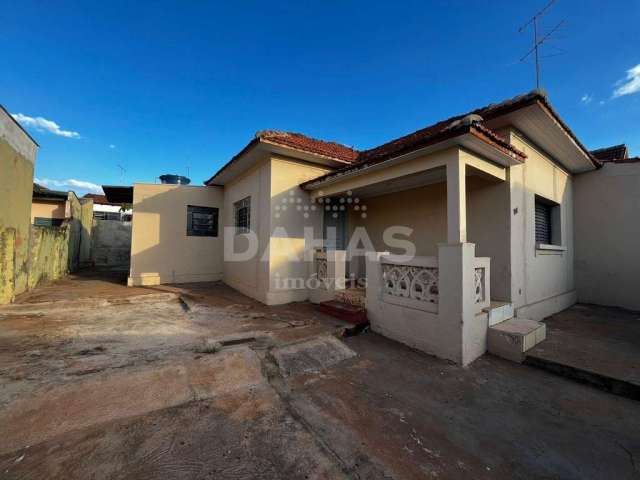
x=499 y=312
x=344 y=311
x=512 y=338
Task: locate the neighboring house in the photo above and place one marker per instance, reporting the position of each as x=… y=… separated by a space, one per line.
x=103 y=209
x=486 y=198
x=17 y=160
x=49 y=207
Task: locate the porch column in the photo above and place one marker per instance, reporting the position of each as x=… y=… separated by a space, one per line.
x=456 y=201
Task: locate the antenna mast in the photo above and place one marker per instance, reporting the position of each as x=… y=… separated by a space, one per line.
x=537 y=42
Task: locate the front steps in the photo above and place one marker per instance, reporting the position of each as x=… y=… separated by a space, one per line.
x=499 y=312
x=512 y=338
x=344 y=311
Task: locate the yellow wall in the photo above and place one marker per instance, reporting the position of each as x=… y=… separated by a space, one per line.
x=161 y=251
x=17 y=157
x=43 y=209
x=49 y=252
x=286 y=256
x=251 y=276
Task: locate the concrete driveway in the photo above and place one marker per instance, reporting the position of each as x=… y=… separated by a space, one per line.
x=198 y=381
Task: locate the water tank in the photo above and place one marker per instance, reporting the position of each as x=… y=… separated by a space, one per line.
x=174 y=179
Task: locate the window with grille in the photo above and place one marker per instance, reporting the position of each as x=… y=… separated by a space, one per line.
x=202 y=221
x=242 y=213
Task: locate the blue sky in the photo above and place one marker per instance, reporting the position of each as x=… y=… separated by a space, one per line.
x=159 y=87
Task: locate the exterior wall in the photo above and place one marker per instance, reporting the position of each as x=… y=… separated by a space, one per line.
x=251 y=275
x=488 y=228
x=542 y=281
x=86 y=220
x=607 y=229
x=161 y=251
x=111 y=244
x=48 y=254
x=74 y=214
x=17 y=159
x=45 y=209
x=287 y=241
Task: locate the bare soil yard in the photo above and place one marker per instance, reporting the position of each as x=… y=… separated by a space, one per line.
x=101 y=381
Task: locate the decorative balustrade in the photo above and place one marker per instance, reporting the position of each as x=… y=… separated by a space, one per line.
x=412 y=284
x=320 y=264
x=482 y=298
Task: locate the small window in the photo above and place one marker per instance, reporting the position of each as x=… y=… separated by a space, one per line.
x=547 y=222
x=202 y=221
x=242 y=215
x=47 y=222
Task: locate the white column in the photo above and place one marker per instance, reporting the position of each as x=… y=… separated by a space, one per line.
x=456 y=201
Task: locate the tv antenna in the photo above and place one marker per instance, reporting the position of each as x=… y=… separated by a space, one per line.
x=122 y=172
x=538 y=41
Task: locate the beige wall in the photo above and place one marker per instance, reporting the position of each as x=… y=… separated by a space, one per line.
x=44 y=209
x=161 y=251
x=607 y=229
x=287 y=242
x=541 y=280
x=251 y=276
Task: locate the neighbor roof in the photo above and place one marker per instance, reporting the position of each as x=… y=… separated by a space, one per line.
x=43 y=193
x=610 y=154
x=97 y=199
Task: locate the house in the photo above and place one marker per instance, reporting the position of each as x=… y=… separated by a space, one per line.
x=17 y=160
x=443 y=232
x=103 y=209
x=49 y=207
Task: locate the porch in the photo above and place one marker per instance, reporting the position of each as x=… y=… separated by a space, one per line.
x=428 y=245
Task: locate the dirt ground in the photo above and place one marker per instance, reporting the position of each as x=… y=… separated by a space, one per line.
x=198 y=381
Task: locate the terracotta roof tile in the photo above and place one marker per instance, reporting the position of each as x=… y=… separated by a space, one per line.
x=308 y=144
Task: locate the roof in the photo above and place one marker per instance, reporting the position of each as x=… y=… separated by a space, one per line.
x=118 y=194
x=97 y=199
x=43 y=193
x=297 y=141
x=610 y=154
x=420 y=138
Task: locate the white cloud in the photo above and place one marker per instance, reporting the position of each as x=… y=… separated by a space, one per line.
x=586 y=99
x=70 y=184
x=42 y=124
x=630 y=84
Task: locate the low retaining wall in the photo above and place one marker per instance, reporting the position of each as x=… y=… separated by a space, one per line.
x=48 y=254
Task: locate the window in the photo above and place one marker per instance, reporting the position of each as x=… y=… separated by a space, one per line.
x=47 y=222
x=548 y=229
x=242 y=215
x=202 y=221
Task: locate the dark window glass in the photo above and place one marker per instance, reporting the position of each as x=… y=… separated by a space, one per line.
x=47 y=222
x=202 y=221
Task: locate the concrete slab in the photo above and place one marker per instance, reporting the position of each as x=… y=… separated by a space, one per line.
x=593 y=344
x=311 y=356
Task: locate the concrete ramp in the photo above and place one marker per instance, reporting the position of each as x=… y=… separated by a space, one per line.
x=311 y=356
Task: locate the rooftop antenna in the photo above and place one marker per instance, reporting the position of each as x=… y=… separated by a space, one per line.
x=122 y=172
x=537 y=41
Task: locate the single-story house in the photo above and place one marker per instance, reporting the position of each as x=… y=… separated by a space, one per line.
x=441 y=233
x=49 y=207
